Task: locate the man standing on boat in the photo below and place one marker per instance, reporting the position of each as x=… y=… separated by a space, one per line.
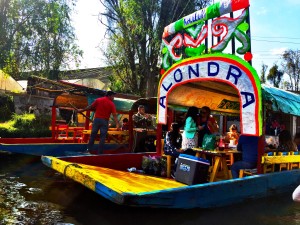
x=144 y=121
x=141 y=119
x=103 y=108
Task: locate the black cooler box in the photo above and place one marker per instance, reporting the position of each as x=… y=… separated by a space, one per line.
x=191 y=169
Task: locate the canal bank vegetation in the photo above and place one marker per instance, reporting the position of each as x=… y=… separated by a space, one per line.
x=26 y=125
x=7 y=107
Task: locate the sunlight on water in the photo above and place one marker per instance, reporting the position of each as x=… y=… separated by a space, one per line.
x=15 y=209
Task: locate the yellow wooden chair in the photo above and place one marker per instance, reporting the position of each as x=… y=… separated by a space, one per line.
x=247 y=172
x=294 y=165
x=269 y=168
x=283 y=166
x=229 y=159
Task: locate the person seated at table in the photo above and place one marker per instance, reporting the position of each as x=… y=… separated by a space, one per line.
x=125 y=125
x=141 y=119
x=189 y=136
x=206 y=124
x=232 y=135
x=297 y=140
x=286 y=143
x=173 y=141
x=247 y=145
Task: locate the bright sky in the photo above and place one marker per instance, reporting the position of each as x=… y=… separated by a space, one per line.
x=90 y=32
x=274 y=28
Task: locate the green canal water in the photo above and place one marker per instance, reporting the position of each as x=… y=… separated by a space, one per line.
x=33 y=194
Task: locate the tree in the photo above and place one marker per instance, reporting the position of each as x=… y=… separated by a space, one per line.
x=291 y=65
x=134 y=31
x=36 y=35
x=264 y=68
x=275 y=75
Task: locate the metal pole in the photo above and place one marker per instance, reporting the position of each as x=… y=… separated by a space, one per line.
x=233 y=39
x=249 y=32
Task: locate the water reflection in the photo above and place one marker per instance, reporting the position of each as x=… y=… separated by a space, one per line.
x=21 y=200
x=31 y=193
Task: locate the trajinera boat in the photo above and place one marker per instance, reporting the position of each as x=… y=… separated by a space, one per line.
x=72 y=140
x=195 y=75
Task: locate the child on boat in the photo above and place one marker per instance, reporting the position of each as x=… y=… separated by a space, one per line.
x=232 y=135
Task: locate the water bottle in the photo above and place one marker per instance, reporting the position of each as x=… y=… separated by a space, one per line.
x=221 y=144
x=132 y=169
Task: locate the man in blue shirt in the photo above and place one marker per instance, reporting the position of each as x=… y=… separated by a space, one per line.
x=248 y=146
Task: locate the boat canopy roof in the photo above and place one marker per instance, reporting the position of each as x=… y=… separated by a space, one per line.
x=282 y=101
x=220 y=97
x=122 y=104
x=224 y=99
x=68 y=100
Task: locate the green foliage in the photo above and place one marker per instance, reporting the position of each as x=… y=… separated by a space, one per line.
x=36 y=35
x=291 y=65
x=23 y=121
x=263 y=73
x=119 y=84
x=7 y=107
x=275 y=75
x=135 y=29
x=26 y=125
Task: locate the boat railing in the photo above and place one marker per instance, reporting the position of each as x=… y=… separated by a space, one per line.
x=284 y=160
x=276 y=162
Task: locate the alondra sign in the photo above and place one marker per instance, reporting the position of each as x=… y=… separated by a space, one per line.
x=220 y=68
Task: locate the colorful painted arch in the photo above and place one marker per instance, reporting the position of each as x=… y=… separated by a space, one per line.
x=220 y=68
x=215 y=10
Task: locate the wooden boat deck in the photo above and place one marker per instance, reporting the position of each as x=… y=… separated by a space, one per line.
x=116 y=180
x=125 y=188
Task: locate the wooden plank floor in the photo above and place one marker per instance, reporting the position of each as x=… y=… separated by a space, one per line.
x=118 y=181
x=123 y=181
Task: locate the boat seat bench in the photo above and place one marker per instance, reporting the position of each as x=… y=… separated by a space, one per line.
x=285 y=160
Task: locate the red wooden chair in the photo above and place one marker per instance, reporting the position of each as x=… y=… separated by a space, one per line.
x=62 y=132
x=78 y=134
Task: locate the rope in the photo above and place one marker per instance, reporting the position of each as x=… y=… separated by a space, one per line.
x=72 y=164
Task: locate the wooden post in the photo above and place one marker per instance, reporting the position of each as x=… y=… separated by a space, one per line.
x=260 y=152
x=53 y=121
x=130 y=128
x=86 y=126
x=158 y=139
x=170 y=117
